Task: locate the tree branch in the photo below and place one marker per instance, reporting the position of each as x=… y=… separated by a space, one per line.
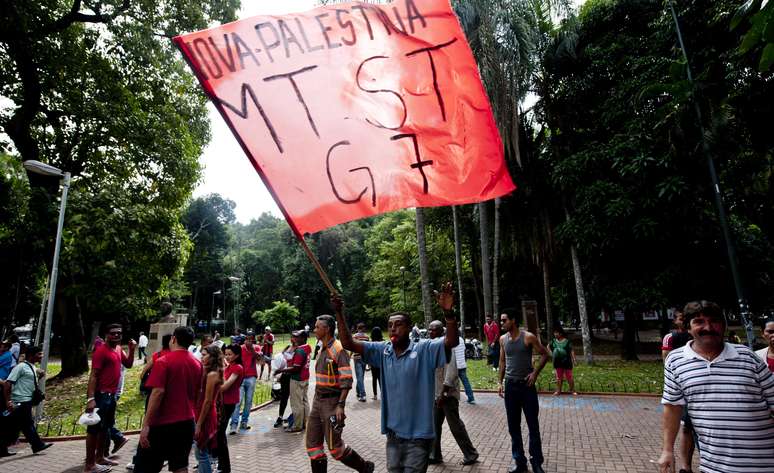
x=75 y=16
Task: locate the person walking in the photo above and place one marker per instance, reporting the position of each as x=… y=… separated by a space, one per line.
x=250 y=355
x=360 y=366
x=408 y=381
x=230 y=392
x=766 y=354
x=284 y=380
x=19 y=389
x=333 y=381
x=517 y=387
x=168 y=428
x=104 y=382
x=142 y=345
x=376 y=336
x=299 y=381
x=729 y=393
x=268 y=351
x=447 y=407
x=563 y=357
x=673 y=340
x=462 y=370
x=492 y=334
x=15 y=349
x=206 y=430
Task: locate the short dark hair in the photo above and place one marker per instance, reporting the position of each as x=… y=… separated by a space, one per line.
x=165 y=341
x=32 y=351
x=110 y=327
x=512 y=314
x=710 y=309
x=405 y=315
x=329 y=321
x=235 y=349
x=767 y=321
x=184 y=336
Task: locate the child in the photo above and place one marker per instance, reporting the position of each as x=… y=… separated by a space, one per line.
x=563 y=359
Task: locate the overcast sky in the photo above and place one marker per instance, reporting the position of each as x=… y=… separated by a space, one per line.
x=227 y=171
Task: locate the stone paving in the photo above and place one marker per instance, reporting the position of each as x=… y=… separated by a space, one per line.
x=601 y=434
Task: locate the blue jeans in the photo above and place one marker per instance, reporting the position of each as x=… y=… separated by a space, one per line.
x=518 y=397
x=246 y=391
x=408 y=456
x=204 y=458
x=359 y=377
x=463 y=374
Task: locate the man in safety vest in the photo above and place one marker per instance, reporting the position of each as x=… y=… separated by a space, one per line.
x=326 y=421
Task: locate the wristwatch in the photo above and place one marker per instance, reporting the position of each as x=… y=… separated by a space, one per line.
x=341 y=403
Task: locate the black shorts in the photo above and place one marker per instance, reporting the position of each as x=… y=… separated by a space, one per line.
x=168 y=442
x=106 y=403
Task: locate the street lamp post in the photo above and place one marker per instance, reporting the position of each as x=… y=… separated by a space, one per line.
x=44 y=169
x=403 y=277
x=212 y=307
x=234 y=280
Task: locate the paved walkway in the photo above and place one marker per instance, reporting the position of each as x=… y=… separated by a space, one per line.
x=580 y=434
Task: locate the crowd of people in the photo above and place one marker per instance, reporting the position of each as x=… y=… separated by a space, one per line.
x=718 y=395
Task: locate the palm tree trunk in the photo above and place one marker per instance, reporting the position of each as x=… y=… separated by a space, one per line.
x=423 y=269
x=495 y=261
x=547 y=297
x=458 y=265
x=486 y=267
x=584 y=319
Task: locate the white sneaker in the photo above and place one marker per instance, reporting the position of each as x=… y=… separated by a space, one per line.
x=130 y=466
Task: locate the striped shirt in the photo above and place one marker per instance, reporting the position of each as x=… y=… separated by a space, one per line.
x=731 y=403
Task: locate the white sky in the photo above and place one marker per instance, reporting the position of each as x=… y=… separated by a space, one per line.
x=227 y=171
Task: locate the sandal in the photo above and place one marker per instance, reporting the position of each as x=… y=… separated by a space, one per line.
x=101 y=469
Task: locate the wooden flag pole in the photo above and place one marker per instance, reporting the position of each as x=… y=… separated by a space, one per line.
x=323 y=275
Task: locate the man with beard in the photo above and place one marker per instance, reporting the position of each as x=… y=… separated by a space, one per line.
x=102 y=392
x=729 y=394
x=407 y=369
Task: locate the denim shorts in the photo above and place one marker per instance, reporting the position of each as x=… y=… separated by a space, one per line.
x=106 y=403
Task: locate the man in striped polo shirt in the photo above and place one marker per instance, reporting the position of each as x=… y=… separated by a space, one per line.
x=729 y=394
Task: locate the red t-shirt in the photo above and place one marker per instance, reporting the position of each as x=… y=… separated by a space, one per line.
x=108 y=363
x=301 y=358
x=492 y=332
x=770 y=362
x=231 y=395
x=267 y=348
x=248 y=361
x=180 y=374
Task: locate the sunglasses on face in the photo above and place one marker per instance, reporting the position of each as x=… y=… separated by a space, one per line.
x=115 y=334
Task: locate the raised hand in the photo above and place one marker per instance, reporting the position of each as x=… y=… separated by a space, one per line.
x=445 y=298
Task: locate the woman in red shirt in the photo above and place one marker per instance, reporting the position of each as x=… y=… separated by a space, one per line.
x=206 y=431
x=230 y=390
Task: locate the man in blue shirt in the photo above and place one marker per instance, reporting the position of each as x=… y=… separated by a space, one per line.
x=408 y=381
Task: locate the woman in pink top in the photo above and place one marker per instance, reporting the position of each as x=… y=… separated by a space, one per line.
x=206 y=431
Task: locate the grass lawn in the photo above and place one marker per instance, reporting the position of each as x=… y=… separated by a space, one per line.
x=603 y=376
x=65 y=401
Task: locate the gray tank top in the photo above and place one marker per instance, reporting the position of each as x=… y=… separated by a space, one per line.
x=518 y=358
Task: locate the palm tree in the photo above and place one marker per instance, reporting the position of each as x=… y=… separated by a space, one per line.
x=458 y=265
x=423 y=269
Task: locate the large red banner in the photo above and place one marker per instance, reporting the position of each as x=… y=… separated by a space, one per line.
x=355 y=109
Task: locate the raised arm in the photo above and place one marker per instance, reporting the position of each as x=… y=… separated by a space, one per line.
x=445 y=299
x=345 y=336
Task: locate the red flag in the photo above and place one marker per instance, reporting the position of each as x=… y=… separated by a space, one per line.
x=356 y=109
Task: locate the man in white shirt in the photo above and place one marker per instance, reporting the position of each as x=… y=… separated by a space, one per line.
x=197 y=351
x=142 y=343
x=462 y=370
x=729 y=394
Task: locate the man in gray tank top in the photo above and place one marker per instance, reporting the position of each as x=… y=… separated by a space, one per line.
x=517 y=386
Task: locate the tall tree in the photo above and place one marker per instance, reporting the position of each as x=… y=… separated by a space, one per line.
x=427 y=305
x=97 y=89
